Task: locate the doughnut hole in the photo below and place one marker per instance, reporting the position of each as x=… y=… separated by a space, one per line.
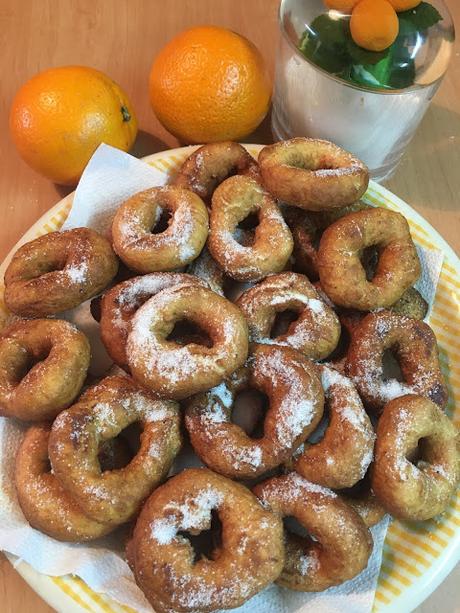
x=282 y=321
x=162 y=222
x=249 y=409
x=206 y=544
x=185 y=332
x=391 y=366
x=370 y=260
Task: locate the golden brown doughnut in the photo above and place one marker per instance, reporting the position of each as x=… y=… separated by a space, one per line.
x=45 y=503
x=312 y=174
x=178 y=371
x=315 y=332
x=250 y=557
x=341 y=272
x=342 y=544
x=143 y=250
x=58 y=271
x=233 y=201
x=295 y=398
x=209 y=165
x=418 y=489
x=414 y=345
x=341 y=458
x=100 y=415
x=120 y=303
x=43 y=364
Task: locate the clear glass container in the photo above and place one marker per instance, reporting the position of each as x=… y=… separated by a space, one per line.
x=374 y=123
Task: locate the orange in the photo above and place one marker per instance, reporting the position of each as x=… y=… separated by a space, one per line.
x=209 y=84
x=346 y=6
x=59 y=117
x=374 y=24
x=404 y=5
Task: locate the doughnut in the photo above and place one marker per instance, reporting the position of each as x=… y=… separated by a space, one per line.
x=341 y=458
x=315 y=332
x=414 y=345
x=144 y=250
x=295 y=408
x=206 y=269
x=307 y=228
x=312 y=174
x=341 y=272
x=45 y=503
x=411 y=304
x=43 y=364
x=178 y=371
x=411 y=488
x=349 y=320
x=233 y=201
x=58 y=271
x=363 y=500
x=120 y=303
x=250 y=556
x=211 y=164
x=342 y=544
x=100 y=415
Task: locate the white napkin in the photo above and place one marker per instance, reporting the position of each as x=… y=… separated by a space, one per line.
x=110 y=177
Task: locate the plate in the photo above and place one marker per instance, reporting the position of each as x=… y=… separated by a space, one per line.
x=416 y=556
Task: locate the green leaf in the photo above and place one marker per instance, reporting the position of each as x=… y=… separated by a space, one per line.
x=422 y=16
x=325 y=44
x=362 y=56
x=328 y=31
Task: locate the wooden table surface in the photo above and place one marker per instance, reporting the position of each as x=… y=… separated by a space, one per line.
x=121 y=38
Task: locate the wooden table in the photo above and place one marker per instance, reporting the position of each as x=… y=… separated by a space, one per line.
x=121 y=38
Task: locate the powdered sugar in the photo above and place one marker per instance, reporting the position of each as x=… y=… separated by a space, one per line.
x=78 y=273
x=223 y=394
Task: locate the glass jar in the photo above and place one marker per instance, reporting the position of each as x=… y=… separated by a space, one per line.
x=373 y=123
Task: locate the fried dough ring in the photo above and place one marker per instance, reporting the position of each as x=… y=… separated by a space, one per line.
x=341 y=272
x=101 y=414
x=414 y=345
x=178 y=371
x=58 y=271
x=344 y=542
x=178 y=245
x=312 y=174
x=120 y=303
x=251 y=555
x=207 y=269
x=411 y=304
x=293 y=389
x=341 y=458
x=233 y=201
x=45 y=503
x=315 y=333
x=415 y=491
x=210 y=165
x=57 y=355
x=363 y=500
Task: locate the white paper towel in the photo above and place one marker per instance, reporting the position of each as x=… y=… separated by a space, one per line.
x=110 y=177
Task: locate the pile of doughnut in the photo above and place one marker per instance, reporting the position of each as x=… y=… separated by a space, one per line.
x=268 y=280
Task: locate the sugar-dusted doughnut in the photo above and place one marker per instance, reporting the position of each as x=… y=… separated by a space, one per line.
x=342 y=274
x=315 y=332
x=178 y=371
x=133 y=229
x=293 y=389
x=312 y=174
x=58 y=271
x=45 y=503
x=342 y=456
x=100 y=415
x=120 y=303
x=342 y=542
x=209 y=165
x=233 y=201
x=411 y=304
x=43 y=364
x=414 y=345
x=418 y=489
x=249 y=558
